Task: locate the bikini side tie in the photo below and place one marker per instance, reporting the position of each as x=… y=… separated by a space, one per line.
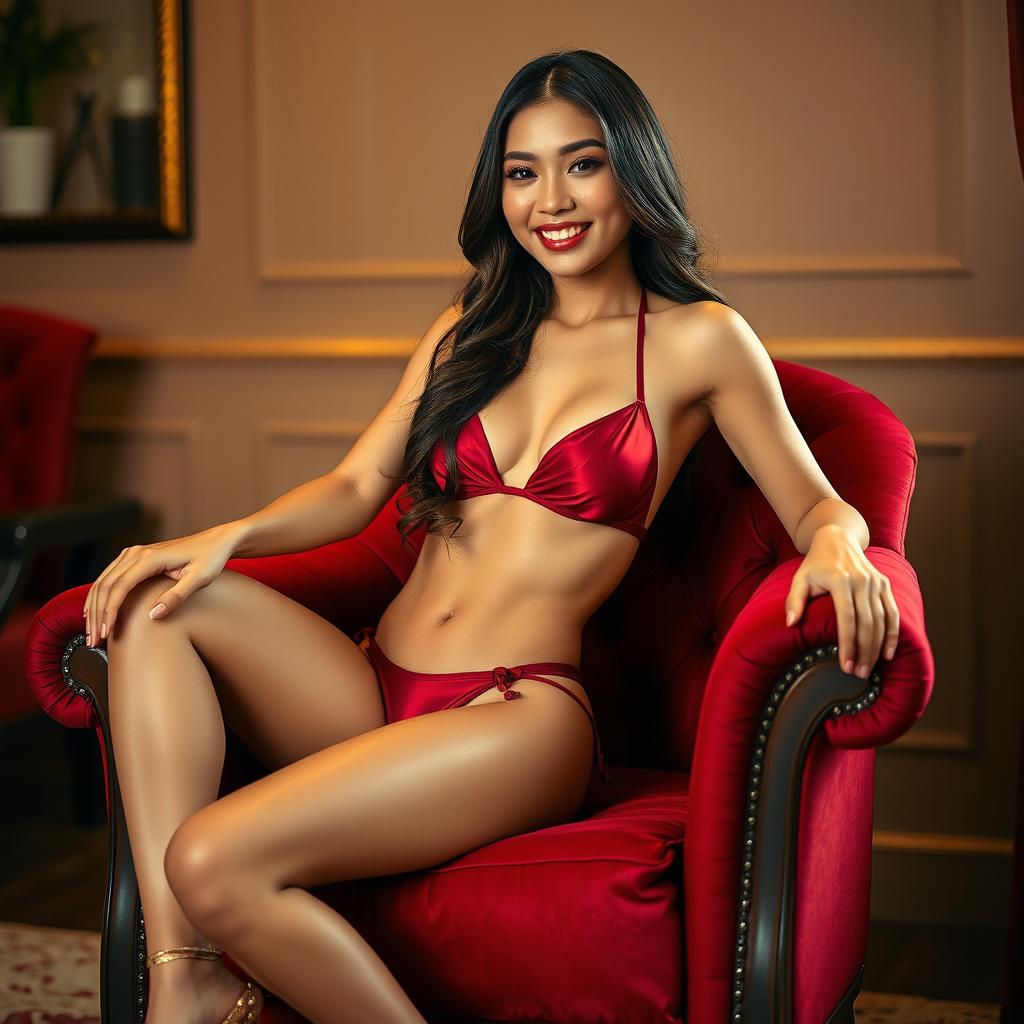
x=502 y=676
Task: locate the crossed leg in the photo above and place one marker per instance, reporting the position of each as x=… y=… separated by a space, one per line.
x=349 y=796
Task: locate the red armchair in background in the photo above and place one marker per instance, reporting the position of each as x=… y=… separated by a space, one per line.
x=724 y=873
x=47 y=542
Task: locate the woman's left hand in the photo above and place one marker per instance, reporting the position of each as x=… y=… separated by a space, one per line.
x=865 y=608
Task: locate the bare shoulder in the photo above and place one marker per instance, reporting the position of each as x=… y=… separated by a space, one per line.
x=448 y=316
x=730 y=353
x=445 y=320
x=696 y=321
x=687 y=342
x=414 y=377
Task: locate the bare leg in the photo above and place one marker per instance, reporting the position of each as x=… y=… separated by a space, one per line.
x=350 y=797
x=167 y=728
x=409 y=795
x=168 y=738
x=306 y=949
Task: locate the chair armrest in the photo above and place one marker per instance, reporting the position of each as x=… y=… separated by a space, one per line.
x=25 y=531
x=769 y=690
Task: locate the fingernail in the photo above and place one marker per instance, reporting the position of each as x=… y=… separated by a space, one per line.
x=789 y=618
x=862 y=671
x=103 y=631
x=88 y=639
x=848 y=665
x=156 y=612
x=889 y=653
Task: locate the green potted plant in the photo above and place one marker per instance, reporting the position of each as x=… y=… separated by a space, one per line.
x=29 y=56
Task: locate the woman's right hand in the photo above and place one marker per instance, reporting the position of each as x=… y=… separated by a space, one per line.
x=192 y=561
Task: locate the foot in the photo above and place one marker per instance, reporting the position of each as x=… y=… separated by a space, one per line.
x=198 y=992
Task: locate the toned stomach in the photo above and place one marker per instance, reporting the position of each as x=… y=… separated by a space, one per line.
x=516 y=585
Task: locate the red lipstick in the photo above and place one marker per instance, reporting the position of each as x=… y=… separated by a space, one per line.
x=566 y=243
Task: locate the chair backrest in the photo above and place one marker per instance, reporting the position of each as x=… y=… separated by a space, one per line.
x=649 y=648
x=647 y=651
x=42 y=364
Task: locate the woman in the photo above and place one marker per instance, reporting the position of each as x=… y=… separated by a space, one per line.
x=597 y=357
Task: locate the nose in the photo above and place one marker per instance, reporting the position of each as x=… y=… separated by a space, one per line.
x=555 y=196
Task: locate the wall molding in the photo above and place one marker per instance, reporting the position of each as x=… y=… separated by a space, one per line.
x=255 y=349
x=961 y=691
x=924 y=264
x=984 y=348
x=889 y=841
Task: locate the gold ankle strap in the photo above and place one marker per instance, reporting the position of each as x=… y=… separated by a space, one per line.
x=199 y=952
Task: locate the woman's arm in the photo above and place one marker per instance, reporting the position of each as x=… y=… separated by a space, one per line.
x=331 y=507
x=750 y=411
x=317 y=512
x=344 y=501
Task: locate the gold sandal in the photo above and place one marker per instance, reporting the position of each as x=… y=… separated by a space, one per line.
x=250 y=1003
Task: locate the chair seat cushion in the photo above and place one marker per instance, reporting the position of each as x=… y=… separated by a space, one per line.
x=577 y=922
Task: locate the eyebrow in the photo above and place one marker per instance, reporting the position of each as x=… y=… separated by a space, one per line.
x=571 y=147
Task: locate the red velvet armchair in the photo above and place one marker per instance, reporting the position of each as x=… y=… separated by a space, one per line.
x=48 y=541
x=724 y=874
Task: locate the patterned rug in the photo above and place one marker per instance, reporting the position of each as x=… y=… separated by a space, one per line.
x=52 y=976
x=49 y=975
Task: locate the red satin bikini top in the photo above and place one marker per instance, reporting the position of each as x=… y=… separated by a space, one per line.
x=602 y=472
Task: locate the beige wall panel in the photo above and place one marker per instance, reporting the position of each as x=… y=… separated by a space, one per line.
x=944 y=540
x=936 y=887
x=291 y=450
x=154 y=459
x=830 y=166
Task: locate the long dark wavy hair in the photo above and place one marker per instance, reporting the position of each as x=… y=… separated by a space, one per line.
x=509 y=293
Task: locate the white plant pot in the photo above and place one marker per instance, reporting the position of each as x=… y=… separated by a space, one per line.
x=26 y=169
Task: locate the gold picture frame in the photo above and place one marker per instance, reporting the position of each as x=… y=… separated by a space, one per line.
x=153 y=36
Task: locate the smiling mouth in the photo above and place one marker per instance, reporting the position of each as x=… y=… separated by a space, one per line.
x=563 y=238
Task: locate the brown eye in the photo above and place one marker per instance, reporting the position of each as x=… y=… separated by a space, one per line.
x=513 y=171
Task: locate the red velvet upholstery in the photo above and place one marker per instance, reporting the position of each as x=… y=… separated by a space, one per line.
x=42 y=363
x=629 y=914
x=44 y=359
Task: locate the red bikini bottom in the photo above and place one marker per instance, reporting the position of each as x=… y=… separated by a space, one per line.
x=408 y=694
